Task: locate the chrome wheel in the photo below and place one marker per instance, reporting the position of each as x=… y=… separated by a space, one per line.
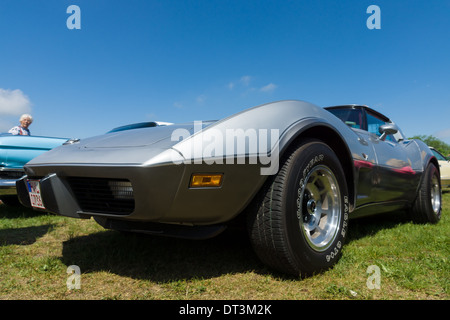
x=435 y=195
x=427 y=206
x=321 y=208
x=301 y=218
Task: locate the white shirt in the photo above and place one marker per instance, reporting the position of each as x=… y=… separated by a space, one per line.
x=18 y=130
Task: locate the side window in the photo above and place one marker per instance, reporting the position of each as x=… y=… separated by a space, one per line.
x=373 y=126
x=351 y=117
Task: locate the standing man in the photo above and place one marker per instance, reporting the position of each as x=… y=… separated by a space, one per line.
x=22 y=129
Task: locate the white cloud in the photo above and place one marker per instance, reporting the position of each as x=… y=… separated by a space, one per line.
x=177 y=105
x=201 y=98
x=245 y=80
x=268 y=88
x=247 y=83
x=14 y=102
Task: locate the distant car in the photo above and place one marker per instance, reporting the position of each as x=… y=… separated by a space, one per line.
x=444 y=164
x=297 y=172
x=15 y=151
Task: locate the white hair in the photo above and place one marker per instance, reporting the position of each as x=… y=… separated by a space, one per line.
x=26 y=116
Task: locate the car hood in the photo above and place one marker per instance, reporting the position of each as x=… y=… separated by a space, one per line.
x=130 y=147
x=135 y=138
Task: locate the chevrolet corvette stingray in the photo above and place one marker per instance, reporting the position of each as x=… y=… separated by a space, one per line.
x=298 y=172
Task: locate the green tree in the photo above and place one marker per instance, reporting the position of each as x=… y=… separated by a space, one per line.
x=434 y=142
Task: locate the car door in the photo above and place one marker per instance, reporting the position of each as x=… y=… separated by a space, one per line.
x=394 y=178
x=364 y=158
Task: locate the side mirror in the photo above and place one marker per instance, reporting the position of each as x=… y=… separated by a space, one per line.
x=387 y=129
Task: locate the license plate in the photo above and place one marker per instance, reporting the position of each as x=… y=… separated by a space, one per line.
x=34 y=191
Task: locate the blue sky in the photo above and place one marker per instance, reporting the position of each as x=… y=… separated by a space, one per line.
x=180 y=60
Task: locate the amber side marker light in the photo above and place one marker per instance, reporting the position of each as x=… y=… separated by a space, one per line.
x=202 y=180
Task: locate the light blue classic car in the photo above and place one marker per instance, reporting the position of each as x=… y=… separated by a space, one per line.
x=15 y=151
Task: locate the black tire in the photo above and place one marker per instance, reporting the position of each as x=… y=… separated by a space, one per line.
x=428 y=205
x=288 y=211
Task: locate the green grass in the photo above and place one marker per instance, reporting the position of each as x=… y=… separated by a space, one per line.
x=37 y=248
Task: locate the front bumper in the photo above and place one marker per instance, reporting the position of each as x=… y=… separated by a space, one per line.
x=160 y=194
x=8 y=187
x=8 y=180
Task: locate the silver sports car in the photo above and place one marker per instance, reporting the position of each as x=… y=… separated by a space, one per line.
x=298 y=173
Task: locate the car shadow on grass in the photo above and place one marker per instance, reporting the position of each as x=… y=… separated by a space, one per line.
x=371 y=225
x=162 y=259
x=18 y=211
x=23 y=236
